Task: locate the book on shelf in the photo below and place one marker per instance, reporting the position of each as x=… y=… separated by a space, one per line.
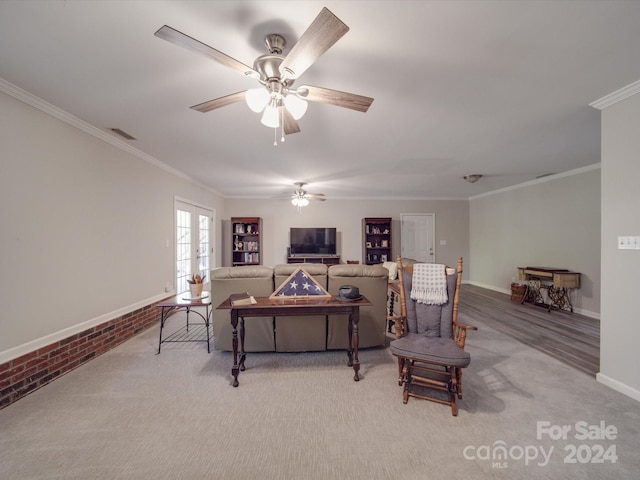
x=242 y=299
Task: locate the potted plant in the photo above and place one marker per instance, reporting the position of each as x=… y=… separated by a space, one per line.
x=196 y=282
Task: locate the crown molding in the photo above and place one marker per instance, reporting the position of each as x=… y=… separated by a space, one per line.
x=546 y=178
x=36 y=102
x=616 y=96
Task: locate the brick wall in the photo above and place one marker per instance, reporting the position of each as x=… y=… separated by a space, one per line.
x=24 y=374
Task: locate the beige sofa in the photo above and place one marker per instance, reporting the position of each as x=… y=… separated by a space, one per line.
x=305 y=333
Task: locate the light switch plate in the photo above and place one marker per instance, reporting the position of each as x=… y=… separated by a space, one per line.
x=628 y=243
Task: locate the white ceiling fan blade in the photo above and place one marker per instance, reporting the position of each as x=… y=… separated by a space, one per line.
x=219 y=102
x=335 y=97
x=321 y=35
x=178 y=38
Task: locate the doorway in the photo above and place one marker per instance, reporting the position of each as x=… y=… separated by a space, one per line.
x=194 y=249
x=417 y=234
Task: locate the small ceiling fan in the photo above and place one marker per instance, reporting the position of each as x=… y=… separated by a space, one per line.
x=280 y=103
x=300 y=198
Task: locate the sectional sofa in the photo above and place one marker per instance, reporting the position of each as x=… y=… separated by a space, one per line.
x=305 y=333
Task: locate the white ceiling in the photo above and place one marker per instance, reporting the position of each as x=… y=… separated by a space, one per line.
x=500 y=88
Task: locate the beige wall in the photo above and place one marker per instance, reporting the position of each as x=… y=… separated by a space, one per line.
x=619 y=327
x=551 y=222
x=85 y=227
x=278 y=216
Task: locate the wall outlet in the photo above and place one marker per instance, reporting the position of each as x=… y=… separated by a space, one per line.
x=167 y=287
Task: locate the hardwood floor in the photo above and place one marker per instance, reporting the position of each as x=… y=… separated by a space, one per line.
x=570 y=337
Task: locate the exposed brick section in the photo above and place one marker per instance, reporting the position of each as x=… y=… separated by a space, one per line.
x=24 y=374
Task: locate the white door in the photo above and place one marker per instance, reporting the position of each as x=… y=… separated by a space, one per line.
x=194 y=249
x=417 y=236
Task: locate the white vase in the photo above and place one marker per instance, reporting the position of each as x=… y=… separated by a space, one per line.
x=196 y=289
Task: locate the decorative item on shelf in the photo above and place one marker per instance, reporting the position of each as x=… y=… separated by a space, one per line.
x=196 y=282
x=368 y=244
x=385 y=243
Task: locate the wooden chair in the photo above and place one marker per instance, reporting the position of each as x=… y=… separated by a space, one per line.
x=430 y=347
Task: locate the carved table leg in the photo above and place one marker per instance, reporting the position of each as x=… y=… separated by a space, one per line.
x=356 y=340
x=243 y=354
x=350 y=336
x=392 y=300
x=235 y=370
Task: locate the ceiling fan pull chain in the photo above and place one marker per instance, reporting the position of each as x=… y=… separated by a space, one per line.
x=275 y=136
x=282 y=124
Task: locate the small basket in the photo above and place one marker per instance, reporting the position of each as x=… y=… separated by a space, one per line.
x=518 y=292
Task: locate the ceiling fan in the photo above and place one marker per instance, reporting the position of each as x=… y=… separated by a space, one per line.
x=281 y=104
x=300 y=198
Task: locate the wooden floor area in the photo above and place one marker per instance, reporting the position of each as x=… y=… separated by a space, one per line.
x=569 y=337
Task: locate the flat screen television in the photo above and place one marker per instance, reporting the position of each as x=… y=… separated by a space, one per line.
x=312 y=241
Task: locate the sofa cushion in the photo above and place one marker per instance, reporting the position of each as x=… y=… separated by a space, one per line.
x=255 y=280
x=372 y=281
x=313 y=269
x=246 y=271
x=393 y=269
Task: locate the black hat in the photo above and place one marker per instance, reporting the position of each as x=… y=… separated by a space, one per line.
x=348 y=293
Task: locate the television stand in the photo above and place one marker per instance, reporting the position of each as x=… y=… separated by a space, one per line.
x=314 y=258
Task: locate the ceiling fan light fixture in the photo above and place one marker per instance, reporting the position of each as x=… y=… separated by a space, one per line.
x=257 y=99
x=271 y=115
x=296 y=106
x=299 y=201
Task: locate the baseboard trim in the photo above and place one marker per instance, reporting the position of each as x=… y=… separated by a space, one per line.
x=618 y=386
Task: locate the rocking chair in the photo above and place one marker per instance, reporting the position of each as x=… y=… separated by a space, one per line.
x=430 y=347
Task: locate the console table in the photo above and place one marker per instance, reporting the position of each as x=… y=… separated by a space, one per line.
x=557 y=281
x=300 y=306
x=326 y=259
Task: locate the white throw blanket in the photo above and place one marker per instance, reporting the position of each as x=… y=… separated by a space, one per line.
x=429 y=284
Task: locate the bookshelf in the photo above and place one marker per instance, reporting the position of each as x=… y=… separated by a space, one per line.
x=376 y=240
x=246 y=241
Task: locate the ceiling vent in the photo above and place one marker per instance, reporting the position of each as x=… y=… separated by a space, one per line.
x=123 y=134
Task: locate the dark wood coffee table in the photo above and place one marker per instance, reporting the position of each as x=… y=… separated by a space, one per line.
x=301 y=306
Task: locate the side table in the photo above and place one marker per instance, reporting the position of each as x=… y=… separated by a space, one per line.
x=184 y=302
